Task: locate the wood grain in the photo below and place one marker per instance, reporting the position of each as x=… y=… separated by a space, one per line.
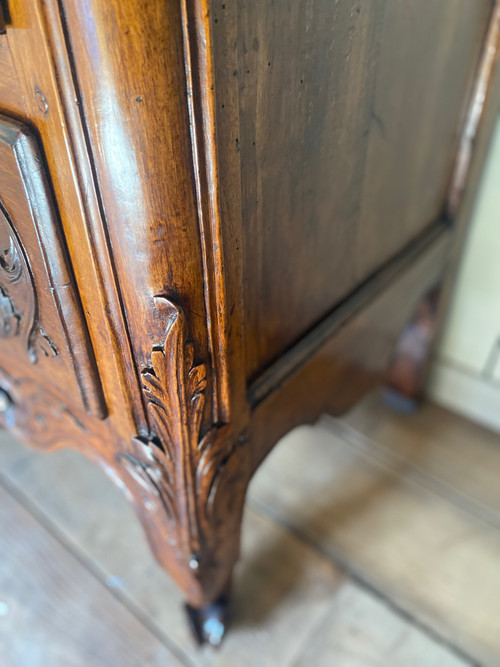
x=292 y=604
x=52 y=329
x=36 y=41
x=56 y=612
x=349 y=116
x=131 y=96
x=11 y=98
x=360 y=630
x=431 y=556
x=468 y=471
x=282 y=589
x=341 y=369
x=276 y=177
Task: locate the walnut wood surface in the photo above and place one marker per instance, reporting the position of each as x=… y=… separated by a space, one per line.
x=199 y=258
x=40 y=62
x=40 y=312
x=148 y=195
x=349 y=115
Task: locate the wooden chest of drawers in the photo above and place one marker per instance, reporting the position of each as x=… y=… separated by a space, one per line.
x=216 y=219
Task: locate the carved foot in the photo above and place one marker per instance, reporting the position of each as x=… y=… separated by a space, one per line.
x=209 y=623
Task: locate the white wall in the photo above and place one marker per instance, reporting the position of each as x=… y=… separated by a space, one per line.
x=466 y=374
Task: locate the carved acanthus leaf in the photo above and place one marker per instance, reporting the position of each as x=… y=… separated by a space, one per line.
x=181 y=468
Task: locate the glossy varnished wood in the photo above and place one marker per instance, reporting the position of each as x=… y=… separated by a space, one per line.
x=131 y=96
x=250 y=201
x=11 y=93
x=346 y=139
x=43 y=325
x=35 y=39
x=344 y=367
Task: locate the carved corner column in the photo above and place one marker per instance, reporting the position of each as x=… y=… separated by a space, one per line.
x=188 y=486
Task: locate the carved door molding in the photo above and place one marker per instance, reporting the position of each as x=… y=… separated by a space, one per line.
x=39 y=286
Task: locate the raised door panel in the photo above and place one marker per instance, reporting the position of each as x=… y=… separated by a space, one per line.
x=349 y=117
x=42 y=330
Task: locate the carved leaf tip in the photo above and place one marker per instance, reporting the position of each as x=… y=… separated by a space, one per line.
x=167 y=309
x=197 y=379
x=188 y=466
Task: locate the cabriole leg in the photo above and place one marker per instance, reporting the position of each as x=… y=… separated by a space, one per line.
x=188 y=487
x=409 y=364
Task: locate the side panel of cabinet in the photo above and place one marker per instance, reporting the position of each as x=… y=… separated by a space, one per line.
x=42 y=330
x=349 y=116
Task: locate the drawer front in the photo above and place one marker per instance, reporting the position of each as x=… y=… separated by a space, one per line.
x=43 y=335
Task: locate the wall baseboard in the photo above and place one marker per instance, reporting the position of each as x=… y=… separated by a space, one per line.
x=464 y=392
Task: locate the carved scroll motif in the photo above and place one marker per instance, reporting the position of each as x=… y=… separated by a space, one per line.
x=18 y=300
x=179 y=470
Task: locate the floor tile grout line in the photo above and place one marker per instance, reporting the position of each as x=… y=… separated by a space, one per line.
x=347 y=569
x=413 y=473
x=97 y=572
